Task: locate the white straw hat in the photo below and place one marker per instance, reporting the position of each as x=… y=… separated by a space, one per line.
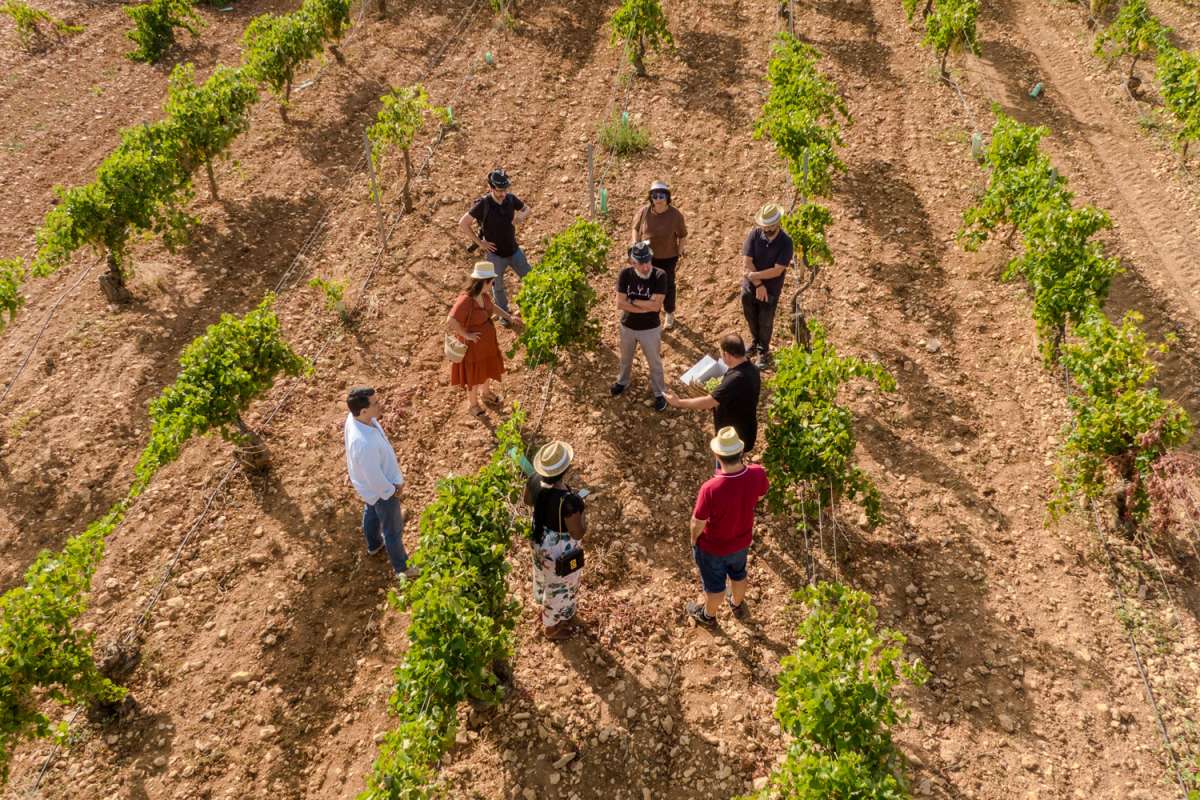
x=483 y=271
x=726 y=442
x=769 y=214
x=553 y=459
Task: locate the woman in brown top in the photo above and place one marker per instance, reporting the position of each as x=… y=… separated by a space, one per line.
x=662 y=224
x=471 y=321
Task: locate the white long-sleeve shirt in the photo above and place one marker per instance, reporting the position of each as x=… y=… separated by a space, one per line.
x=371 y=461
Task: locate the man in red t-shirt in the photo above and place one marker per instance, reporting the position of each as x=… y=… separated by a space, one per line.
x=722 y=524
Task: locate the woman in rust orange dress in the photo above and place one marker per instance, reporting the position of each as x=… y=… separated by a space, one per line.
x=471 y=321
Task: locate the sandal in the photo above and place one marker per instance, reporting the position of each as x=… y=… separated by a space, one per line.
x=493 y=400
x=477 y=411
x=556 y=633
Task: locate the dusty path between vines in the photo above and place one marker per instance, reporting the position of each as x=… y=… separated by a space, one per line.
x=1014 y=621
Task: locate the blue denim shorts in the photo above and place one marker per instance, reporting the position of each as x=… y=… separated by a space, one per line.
x=715 y=569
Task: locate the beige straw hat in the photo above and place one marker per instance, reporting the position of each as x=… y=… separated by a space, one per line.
x=770 y=214
x=726 y=442
x=483 y=271
x=553 y=459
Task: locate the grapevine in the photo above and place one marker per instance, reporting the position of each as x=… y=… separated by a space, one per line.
x=29 y=21
x=461 y=619
x=555 y=297
x=1022 y=181
x=806 y=226
x=835 y=702
x=334 y=292
x=208 y=117
x=638 y=24
x=155 y=23
x=397 y=125
x=142 y=185
x=276 y=46
x=802 y=116
x=1123 y=433
x=1134 y=33
x=222 y=372
x=41 y=654
x=810 y=437
x=1065 y=268
x=1179 y=74
x=12 y=274
x=1122 y=427
x=950 y=27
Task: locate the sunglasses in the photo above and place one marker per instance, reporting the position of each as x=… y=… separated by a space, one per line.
x=658 y=195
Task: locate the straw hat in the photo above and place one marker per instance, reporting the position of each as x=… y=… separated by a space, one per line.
x=660 y=186
x=726 y=442
x=770 y=214
x=483 y=271
x=553 y=459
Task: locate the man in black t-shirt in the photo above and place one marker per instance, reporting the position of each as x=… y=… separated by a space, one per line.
x=641 y=288
x=497 y=214
x=766 y=255
x=735 y=401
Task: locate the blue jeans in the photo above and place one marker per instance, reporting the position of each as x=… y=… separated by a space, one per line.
x=715 y=569
x=519 y=264
x=386 y=514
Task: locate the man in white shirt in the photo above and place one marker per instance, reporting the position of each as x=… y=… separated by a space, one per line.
x=376 y=477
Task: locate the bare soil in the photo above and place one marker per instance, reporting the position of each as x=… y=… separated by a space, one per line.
x=266 y=664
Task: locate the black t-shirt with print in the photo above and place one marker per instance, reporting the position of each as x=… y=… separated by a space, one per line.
x=497 y=222
x=737 y=402
x=635 y=287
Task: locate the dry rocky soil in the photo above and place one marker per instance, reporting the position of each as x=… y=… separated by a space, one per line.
x=266 y=663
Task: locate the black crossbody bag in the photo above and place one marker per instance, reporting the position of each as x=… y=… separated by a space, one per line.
x=571 y=559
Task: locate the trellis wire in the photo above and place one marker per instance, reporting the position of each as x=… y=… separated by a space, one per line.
x=45 y=324
x=1137 y=656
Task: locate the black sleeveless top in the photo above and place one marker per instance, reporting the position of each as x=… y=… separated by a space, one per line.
x=551 y=507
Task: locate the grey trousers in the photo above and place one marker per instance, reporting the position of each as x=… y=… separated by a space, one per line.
x=651 y=342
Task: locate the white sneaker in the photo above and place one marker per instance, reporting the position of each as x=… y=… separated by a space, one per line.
x=670 y=322
x=412 y=572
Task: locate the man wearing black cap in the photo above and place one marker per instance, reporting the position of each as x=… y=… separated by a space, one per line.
x=497 y=214
x=641 y=287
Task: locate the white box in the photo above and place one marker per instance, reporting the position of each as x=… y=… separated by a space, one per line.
x=703 y=371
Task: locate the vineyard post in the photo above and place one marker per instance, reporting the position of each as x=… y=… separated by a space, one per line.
x=591 y=181
x=375 y=191
x=792 y=17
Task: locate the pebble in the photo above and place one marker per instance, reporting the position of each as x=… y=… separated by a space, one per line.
x=1007 y=723
x=567 y=758
x=240 y=678
x=933 y=345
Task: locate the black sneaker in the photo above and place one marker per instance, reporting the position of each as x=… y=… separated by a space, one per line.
x=616 y=389
x=696 y=611
x=739 y=610
x=763 y=362
x=660 y=403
